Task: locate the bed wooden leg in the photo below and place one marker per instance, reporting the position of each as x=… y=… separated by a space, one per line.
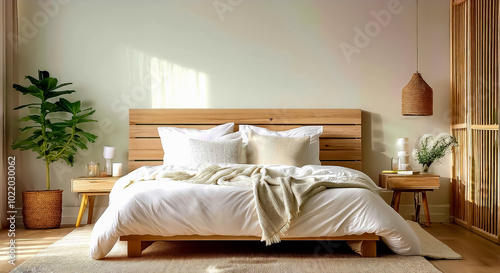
x=369 y=248
x=135 y=248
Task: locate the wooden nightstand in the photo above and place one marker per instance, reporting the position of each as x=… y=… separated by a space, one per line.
x=418 y=184
x=89 y=187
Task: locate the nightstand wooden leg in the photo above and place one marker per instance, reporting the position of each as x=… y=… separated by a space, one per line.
x=393 y=199
x=416 y=202
x=82 y=209
x=396 y=201
x=426 y=209
x=91 y=209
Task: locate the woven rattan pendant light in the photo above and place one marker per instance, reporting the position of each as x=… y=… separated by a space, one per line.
x=417 y=97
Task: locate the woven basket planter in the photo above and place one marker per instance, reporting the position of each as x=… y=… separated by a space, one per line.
x=42 y=209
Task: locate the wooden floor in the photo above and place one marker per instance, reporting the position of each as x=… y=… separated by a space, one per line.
x=28 y=243
x=480 y=255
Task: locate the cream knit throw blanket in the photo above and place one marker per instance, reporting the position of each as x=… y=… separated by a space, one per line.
x=278 y=198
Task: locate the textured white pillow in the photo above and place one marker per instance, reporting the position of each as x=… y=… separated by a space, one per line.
x=175 y=141
x=267 y=150
x=314 y=132
x=214 y=152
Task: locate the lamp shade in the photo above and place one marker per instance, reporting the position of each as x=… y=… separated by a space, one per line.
x=417 y=97
x=109 y=152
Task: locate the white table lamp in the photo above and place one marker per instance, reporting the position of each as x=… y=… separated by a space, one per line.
x=108 y=154
x=402 y=150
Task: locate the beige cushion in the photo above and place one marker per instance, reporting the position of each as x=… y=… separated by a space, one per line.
x=267 y=150
x=314 y=132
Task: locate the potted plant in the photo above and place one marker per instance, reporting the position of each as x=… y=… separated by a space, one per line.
x=53 y=134
x=432 y=149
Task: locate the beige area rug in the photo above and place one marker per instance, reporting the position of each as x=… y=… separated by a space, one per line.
x=71 y=254
x=432 y=247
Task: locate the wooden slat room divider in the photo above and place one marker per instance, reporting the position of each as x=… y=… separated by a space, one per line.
x=474 y=90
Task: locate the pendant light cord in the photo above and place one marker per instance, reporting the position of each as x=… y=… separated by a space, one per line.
x=417 y=36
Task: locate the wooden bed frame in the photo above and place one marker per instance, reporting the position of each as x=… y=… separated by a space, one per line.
x=340 y=144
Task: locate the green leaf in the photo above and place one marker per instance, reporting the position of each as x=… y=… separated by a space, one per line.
x=35 y=91
x=58 y=141
x=86 y=120
x=26 y=105
x=37 y=132
x=32 y=80
x=54 y=94
x=84 y=115
x=90 y=137
x=81 y=144
x=48 y=84
x=23 y=119
x=70 y=160
x=50 y=107
x=35 y=118
x=28 y=143
x=29 y=127
x=62 y=85
x=70 y=107
x=65 y=105
x=21 y=89
x=58 y=126
x=76 y=107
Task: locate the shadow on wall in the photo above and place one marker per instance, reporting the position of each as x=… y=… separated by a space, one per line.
x=373 y=145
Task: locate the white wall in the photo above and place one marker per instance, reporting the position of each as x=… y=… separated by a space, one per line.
x=256 y=54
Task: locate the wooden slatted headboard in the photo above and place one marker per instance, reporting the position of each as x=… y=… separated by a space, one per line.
x=340 y=142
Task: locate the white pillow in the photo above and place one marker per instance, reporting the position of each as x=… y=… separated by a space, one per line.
x=267 y=150
x=214 y=152
x=314 y=132
x=175 y=141
x=234 y=135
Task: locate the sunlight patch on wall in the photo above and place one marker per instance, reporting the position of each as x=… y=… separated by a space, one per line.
x=154 y=82
x=175 y=86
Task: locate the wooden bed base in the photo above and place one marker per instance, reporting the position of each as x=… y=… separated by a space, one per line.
x=137 y=243
x=340 y=145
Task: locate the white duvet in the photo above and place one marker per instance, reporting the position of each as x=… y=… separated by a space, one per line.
x=167 y=208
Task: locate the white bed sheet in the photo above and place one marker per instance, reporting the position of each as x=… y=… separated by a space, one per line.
x=167 y=208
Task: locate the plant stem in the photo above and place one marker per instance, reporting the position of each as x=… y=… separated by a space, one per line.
x=48 y=172
x=43 y=115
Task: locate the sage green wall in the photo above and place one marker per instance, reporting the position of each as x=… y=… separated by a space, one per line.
x=237 y=54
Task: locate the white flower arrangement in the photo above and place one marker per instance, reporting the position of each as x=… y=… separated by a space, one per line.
x=432 y=149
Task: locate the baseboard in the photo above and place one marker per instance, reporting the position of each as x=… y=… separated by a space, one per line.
x=438 y=213
x=69 y=215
